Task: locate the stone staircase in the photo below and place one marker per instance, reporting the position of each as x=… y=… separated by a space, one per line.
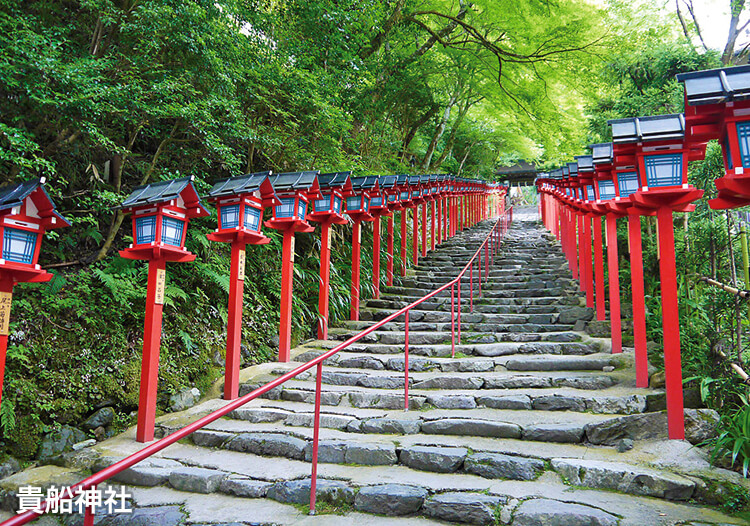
x=532 y=423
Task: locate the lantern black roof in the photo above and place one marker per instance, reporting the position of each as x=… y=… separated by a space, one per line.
x=601 y=152
x=368 y=182
x=653 y=128
x=333 y=180
x=243 y=184
x=13 y=194
x=557 y=173
x=573 y=169
x=414 y=179
x=387 y=181
x=565 y=170
x=716 y=85
x=295 y=180
x=161 y=192
x=585 y=163
x=402 y=179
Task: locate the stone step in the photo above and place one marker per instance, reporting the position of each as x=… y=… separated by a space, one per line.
x=512 y=325
x=429 y=338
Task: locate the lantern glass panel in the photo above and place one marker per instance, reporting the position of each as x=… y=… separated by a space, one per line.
x=230 y=216
x=404 y=196
x=322 y=205
x=18 y=245
x=392 y=198
x=252 y=218
x=743 y=135
x=301 y=209
x=367 y=204
x=415 y=193
x=286 y=208
x=376 y=201
x=728 y=154
x=354 y=203
x=337 y=204
x=627 y=182
x=590 y=192
x=664 y=170
x=145 y=230
x=171 y=231
x=606 y=190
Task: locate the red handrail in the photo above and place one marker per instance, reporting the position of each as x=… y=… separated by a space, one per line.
x=494 y=237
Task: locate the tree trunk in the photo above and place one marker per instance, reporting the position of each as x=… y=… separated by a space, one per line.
x=463 y=161
x=452 y=136
x=414 y=129
x=439 y=132
x=736 y=8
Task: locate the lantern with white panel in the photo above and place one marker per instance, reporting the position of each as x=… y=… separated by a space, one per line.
x=295 y=191
x=26 y=213
x=161 y=213
x=240 y=202
x=358 y=208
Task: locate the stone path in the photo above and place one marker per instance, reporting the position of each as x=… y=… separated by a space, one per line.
x=533 y=423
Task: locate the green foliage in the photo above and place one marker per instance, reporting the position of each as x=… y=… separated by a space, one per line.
x=733 y=443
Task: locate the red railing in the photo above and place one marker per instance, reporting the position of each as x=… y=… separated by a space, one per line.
x=490 y=245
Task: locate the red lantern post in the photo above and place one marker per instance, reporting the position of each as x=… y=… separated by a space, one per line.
x=358 y=208
x=328 y=211
x=415 y=189
x=661 y=157
x=161 y=213
x=295 y=191
x=239 y=202
x=26 y=213
x=379 y=208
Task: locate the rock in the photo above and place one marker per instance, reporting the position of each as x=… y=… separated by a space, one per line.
x=547 y=512
x=626 y=478
x=565 y=433
x=467 y=427
x=60 y=441
x=415 y=364
x=636 y=427
x=362 y=362
x=657 y=380
x=584 y=382
x=571 y=315
x=391 y=426
x=86 y=443
x=608 y=368
x=329 y=452
x=184 y=399
x=9 y=466
x=559 y=403
x=469 y=366
x=153 y=516
x=505 y=402
x=384 y=401
x=150 y=472
x=617 y=404
x=101 y=418
x=381 y=382
x=336 y=378
x=517 y=382
x=259 y=414
x=450 y=382
x=468 y=508
x=270 y=444
x=437 y=459
x=209 y=438
x=452 y=401
x=501 y=466
x=598 y=329
x=196 y=480
x=371 y=454
x=247 y=488
x=624 y=445
x=100 y=434
x=700 y=425
x=390 y=499
x=298 y=492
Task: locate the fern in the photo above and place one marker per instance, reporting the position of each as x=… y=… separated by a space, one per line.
x=7 y=415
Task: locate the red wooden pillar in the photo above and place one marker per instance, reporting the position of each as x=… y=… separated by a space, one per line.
x=415 y=235
x=6 y=288
x=424 y=229
x=671 y=325
x=389 y=264
x=404 y=213
x=589 y=274
x=581 y=254
x=287 y=277
x=432 y=221
x=356 y=256
x=439 y=203
x=234 y=321
x=614 y=284
x=151 y=344
x=376 y=257
x=325 y=278
x=639 y=301
x=599 y=269
x=573 y=224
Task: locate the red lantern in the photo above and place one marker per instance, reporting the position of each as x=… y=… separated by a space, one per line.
x=295 y=191
x=26 y=213
x=239 y=203
x=161 y=213
x=358 y=208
